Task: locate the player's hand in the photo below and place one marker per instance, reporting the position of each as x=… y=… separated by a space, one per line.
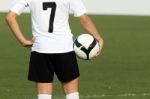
x=101 y=43
x=28 y=43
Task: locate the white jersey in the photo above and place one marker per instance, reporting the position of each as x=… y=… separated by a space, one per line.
x=50 y=24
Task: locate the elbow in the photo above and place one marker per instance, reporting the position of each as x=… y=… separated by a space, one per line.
x=84 y=19
x=10 y=17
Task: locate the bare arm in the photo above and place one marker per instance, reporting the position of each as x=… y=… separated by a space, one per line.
x=90 y=27
x=13 y=24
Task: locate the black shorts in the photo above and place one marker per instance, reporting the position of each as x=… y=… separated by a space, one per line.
x=42 y=67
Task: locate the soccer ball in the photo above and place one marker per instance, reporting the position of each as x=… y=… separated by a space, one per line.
x=86 y=47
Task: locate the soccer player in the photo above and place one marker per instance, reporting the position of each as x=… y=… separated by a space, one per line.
x=52 y=43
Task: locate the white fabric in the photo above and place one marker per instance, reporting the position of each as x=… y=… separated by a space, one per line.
x=74 y=95
x=60 y=40
x=44 y=96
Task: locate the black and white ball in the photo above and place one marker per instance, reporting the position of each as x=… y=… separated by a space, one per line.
x=86 y=46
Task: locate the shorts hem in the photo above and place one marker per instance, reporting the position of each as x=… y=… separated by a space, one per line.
x=37 y=81
x=68 y=80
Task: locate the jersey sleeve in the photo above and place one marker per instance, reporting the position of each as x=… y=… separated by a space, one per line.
x=77 y=7
x=18 y=6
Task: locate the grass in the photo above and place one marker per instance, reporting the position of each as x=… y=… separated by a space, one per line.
x=120 y=72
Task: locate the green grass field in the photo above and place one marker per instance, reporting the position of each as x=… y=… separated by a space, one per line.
x=122 y=71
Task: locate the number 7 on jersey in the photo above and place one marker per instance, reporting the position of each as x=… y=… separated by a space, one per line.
x=51 y=5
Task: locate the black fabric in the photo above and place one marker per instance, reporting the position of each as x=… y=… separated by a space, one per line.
x=43 y=66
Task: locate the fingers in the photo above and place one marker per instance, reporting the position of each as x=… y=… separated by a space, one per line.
x=100 y=43
x=28 y=43
x=33 y=39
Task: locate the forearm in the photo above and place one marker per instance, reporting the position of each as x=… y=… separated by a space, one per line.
x=15 y=29
x=91 y=28
x=13 y=24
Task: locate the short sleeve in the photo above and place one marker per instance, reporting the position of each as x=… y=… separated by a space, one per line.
x=18 y=6
x=77 y=7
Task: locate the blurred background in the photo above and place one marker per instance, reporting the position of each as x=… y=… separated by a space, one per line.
x=117 y=7
x=121 y=71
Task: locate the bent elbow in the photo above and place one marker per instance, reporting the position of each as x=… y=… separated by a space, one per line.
x=84 y=19
x=10 y=17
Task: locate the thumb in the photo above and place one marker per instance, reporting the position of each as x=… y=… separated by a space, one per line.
x=33 y=39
